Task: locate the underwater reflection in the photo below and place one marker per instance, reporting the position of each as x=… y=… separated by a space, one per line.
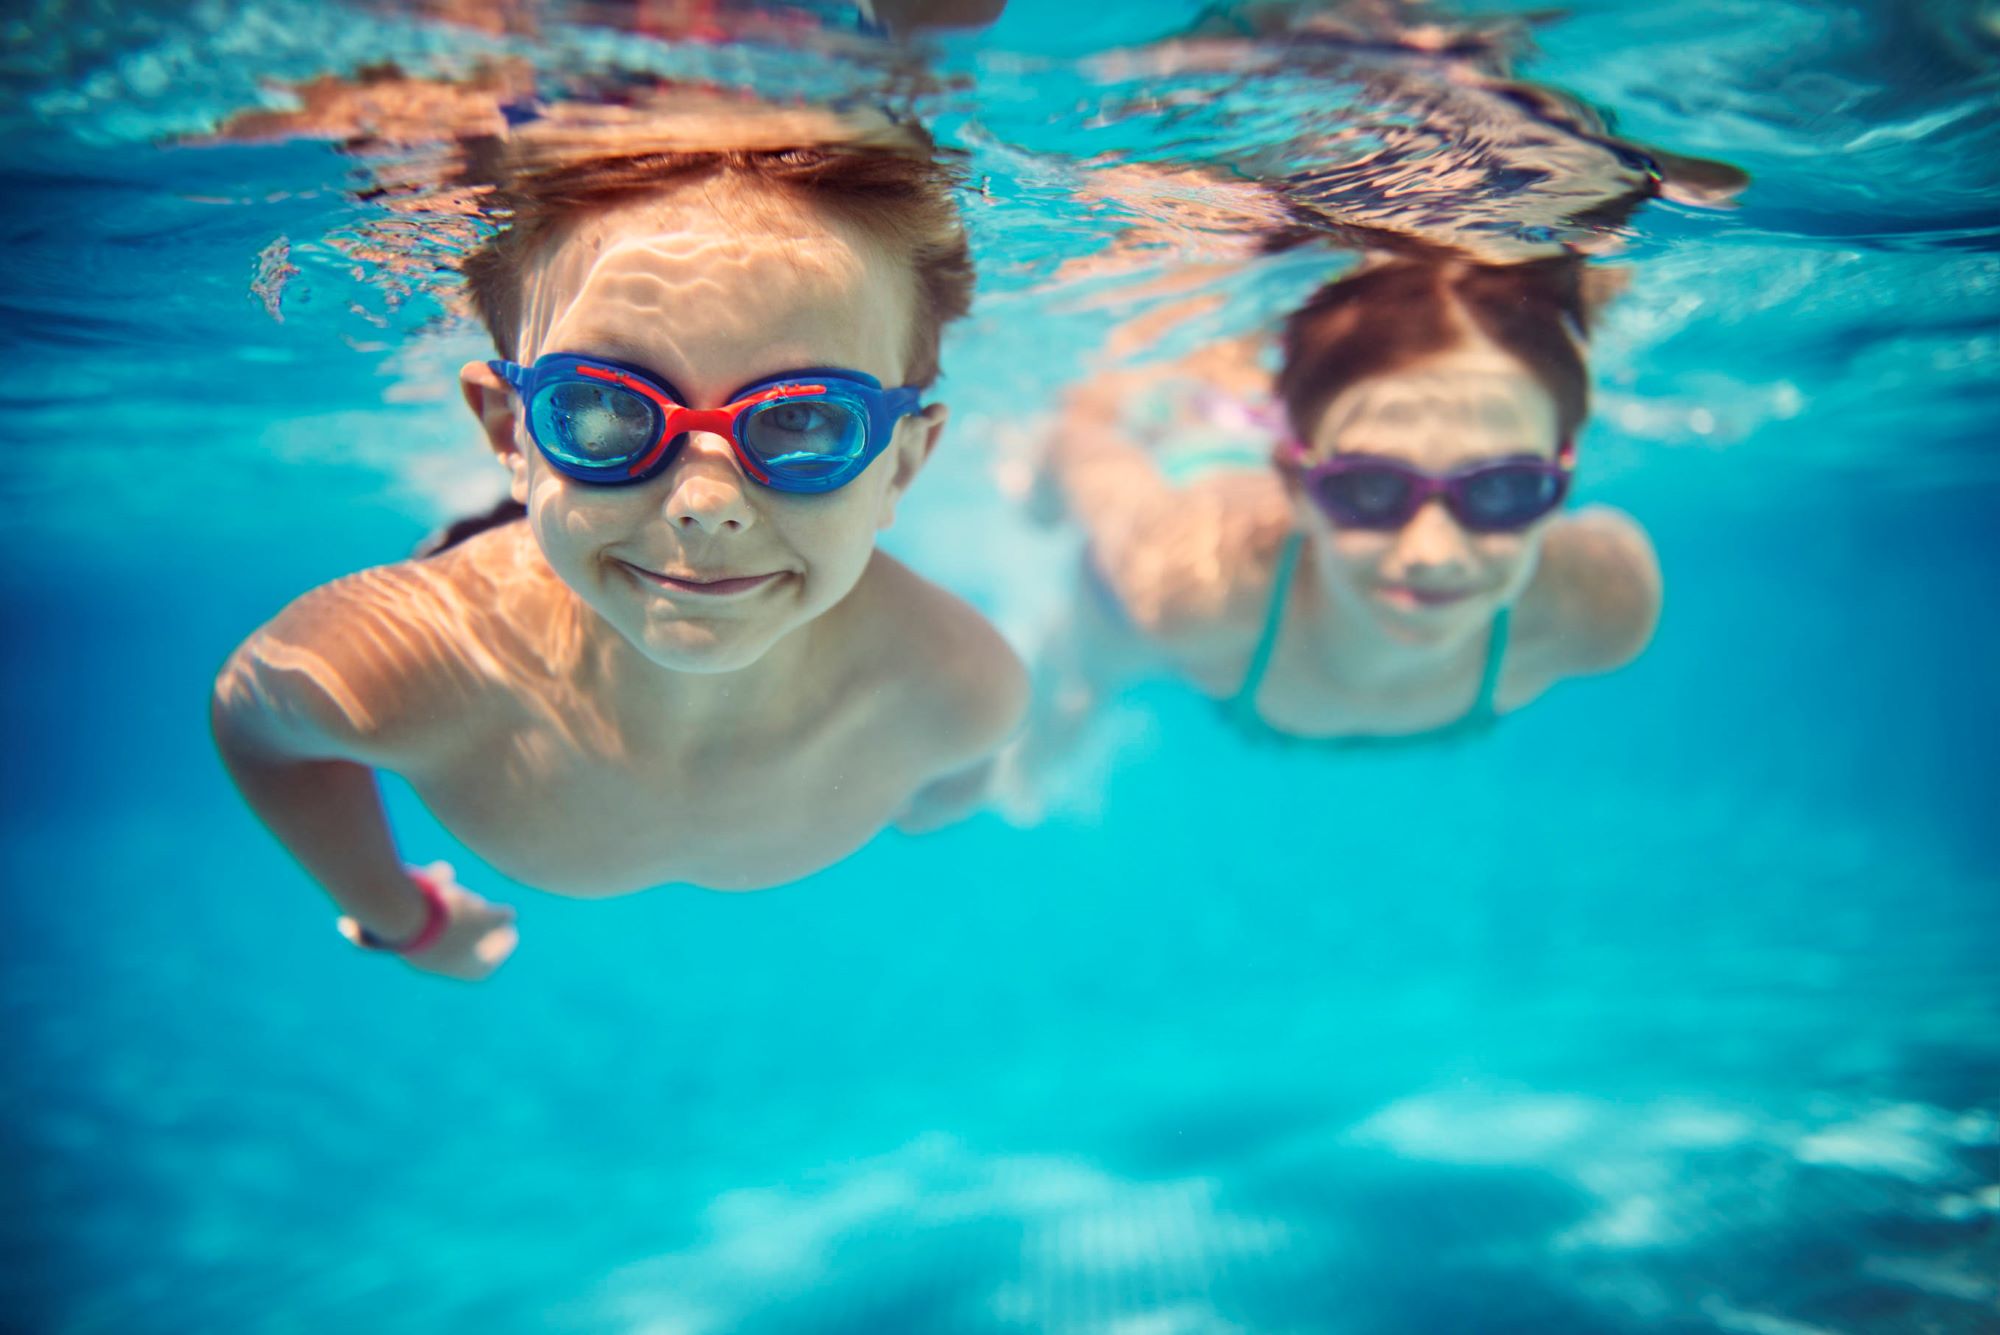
x=712 y=20
x=679 y=658
x=1369 y=547
x=1376 y=126
x=1355 y=532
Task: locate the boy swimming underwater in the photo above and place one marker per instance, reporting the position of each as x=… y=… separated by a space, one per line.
x=688 y=663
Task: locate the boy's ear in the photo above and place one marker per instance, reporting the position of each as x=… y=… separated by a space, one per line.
x=492 y=402
x=916 y=437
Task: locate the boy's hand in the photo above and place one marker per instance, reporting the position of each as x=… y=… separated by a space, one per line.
x=478 y=935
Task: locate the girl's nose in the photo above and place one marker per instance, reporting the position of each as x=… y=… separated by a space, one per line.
x=1431 y=541
x=708 y=492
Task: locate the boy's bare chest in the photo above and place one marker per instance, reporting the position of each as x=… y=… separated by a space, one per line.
x=558 y=812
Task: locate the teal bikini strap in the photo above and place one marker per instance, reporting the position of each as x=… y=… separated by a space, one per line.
x=1244 y=705
x=1245 y=702
x=1496 y=656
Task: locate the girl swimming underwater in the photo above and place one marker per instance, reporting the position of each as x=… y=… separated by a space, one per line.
x=1402 y=568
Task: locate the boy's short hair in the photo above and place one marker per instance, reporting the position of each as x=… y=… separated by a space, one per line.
x=1394 y=315
x=884 y=178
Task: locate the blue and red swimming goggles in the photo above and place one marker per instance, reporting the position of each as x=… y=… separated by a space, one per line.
x=607 y=423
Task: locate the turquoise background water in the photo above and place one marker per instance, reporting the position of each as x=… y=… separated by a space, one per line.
x=1670 y=1008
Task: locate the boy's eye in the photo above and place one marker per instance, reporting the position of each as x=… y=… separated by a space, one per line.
x=805 y=434
x=796 y=417
x=591 y=423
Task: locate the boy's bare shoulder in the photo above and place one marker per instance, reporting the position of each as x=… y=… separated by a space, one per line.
x=377 y=664
x=962 y=684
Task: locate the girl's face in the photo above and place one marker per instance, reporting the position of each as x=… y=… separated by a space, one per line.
x=711 y=286
x=1432 y=581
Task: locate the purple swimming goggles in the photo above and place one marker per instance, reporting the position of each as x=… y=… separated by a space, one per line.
x=610 y=424
x=1366 y=491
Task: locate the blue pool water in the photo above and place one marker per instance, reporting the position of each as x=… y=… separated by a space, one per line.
x=1673 y=1007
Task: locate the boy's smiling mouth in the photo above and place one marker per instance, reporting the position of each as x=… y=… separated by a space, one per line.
x=713 y=585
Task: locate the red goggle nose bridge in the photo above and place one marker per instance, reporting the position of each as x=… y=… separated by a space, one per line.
x=680 y=421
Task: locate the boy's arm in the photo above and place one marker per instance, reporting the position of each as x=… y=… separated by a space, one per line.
x=326 y=812
x=301 y=714
x=978 y=698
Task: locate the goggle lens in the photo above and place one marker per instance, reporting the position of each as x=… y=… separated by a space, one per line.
x=1497 y=498
x=805 y=438
x=591 y=425
x=1369 y=497
x=1507 y=496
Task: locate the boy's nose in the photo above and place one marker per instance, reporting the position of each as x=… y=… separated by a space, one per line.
x=708 y=491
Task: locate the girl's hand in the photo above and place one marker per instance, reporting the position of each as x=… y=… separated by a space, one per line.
x=478 y=935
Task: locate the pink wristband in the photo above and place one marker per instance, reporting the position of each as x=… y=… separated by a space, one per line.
x=436 y=915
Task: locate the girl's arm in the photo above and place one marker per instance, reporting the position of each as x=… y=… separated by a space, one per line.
x=1108 y=482
x=1176 y=557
